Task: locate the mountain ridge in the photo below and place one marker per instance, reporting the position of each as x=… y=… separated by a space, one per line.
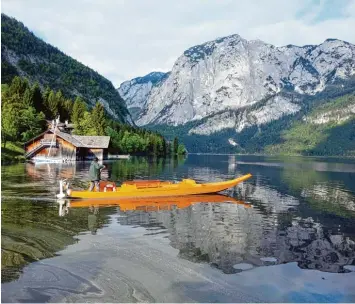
x=136 y=91
x=230 y=86
x=24 y=54
x=296 y=64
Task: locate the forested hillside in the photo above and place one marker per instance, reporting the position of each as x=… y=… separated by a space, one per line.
x=23 y=54
x=25 y=109
x=327 y=130
x=324 y=126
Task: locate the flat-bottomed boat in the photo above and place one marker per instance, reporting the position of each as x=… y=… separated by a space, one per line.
x=150 y=188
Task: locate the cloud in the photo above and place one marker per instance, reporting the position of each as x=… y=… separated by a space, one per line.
x=125 y=39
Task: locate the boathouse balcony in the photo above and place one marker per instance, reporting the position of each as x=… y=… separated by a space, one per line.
x=48 y=143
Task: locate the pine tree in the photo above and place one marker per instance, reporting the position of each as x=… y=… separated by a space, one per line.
x=45 y=95
x=86 y=125
x=79 y=108
x=67 y=109
x=38 y=102
x=28 y=98
x=53 y=106
x=99 y=119
x=10 y=118
x=18 y=86
x=32 y=123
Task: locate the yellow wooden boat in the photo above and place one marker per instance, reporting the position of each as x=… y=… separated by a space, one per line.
x=155 y=203
x=149 y=188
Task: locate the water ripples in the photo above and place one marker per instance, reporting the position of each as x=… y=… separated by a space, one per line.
x=298 y=211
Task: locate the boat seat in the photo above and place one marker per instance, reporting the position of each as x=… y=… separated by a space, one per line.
x=107 y=186
x=189 y=181
x=147 y=183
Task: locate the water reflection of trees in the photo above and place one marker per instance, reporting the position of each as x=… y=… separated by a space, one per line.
x=136 y=167
x=33 y=230
x=322 y=195
x=300 y=215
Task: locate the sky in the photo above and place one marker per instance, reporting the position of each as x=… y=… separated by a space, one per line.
x=123 y=39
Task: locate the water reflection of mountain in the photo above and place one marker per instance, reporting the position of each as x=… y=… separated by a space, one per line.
x=228 y=234
x=303 y=211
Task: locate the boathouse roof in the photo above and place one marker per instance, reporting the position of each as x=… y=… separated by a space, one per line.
x=79 y=141
x=93 y=141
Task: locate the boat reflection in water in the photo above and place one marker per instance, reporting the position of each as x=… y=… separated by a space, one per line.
x=148 y=204
x=151 y=204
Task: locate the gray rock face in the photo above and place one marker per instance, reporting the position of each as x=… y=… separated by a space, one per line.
x=227 y=81
x=136 y=92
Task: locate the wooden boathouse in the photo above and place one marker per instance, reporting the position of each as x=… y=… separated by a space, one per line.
x=57 y=144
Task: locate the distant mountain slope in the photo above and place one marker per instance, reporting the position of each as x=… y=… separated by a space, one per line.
x=226 y=91
x=22 y=53
x=329 y=129
x=136 y=91
x=231 y=73
x=324 y=125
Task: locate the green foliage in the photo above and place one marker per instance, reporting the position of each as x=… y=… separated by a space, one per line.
x=28 y=98
x=335 y=137
x=64 y=79
x=37 y=99
x=33 y=123
x=53 y=105
x=181 y=149
x=13 y=152
x=4 y=87
x=79 y=108
x=18 y=86
x=127 y=139
x=98 y=119
x=67 y=110
x=53 y=68
x=19 y=119
x=85 y=126
x=25 y=108
x=10 y=120
x=8 y=72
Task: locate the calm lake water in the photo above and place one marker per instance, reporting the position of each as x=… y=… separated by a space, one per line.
x=287 y=234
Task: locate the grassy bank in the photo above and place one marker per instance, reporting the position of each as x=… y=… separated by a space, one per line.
x=13 y=152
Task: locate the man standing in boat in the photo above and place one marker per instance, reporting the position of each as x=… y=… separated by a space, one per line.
x=95 y=174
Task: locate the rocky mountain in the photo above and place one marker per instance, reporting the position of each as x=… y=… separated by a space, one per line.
x=136 y=91
x=232 y=85
x=24 y=54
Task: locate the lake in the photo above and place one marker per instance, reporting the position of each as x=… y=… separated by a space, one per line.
x=285 y=235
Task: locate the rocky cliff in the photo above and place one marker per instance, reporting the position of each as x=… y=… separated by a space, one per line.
x=234 y=84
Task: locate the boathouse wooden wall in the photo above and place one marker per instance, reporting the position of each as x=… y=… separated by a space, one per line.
x=35 y=143
x=62 y=149
x=67 y=150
